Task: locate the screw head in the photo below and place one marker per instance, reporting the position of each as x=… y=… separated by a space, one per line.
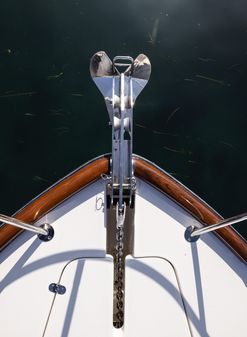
x=49 y=235
x=187 y=234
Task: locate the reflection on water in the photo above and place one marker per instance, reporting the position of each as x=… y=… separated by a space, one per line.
x=190 y=120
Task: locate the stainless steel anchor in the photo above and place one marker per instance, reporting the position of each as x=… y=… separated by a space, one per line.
x=120 y=81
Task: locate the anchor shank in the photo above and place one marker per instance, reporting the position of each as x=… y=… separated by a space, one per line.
x=121 y=81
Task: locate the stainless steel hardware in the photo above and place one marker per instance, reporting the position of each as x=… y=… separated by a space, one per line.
x=45 y=232
x=193 y=233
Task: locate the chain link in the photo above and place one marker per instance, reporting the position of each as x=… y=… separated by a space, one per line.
x=119 y=267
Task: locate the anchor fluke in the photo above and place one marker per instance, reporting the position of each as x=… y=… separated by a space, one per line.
x=101 y=65
x=106 y=75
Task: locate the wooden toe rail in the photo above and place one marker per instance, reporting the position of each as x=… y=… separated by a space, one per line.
x=143 y=170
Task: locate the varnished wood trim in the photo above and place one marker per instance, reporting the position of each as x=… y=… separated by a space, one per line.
x=54 y=196
x=165 y=183
x=145 y=171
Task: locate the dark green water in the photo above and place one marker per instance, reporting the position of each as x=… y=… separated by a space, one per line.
x=191 y=119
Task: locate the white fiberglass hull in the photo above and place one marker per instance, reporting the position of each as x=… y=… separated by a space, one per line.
x=172 y=287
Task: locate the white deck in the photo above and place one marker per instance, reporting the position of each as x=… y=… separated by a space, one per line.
x=173 y=288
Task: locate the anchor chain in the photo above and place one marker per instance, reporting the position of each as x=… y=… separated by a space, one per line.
x=119 y=267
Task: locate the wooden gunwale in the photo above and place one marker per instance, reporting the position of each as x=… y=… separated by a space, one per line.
x=192 y=203
x=143 y=170
x=54 y=196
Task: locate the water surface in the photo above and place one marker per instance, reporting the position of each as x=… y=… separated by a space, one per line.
x=190 y=119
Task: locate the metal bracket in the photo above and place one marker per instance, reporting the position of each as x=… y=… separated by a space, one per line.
x=57 y=288
x=124 y=238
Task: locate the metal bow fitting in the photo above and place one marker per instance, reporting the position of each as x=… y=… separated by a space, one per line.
x=193 y=233
x=120 y=81
x=45 y=232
